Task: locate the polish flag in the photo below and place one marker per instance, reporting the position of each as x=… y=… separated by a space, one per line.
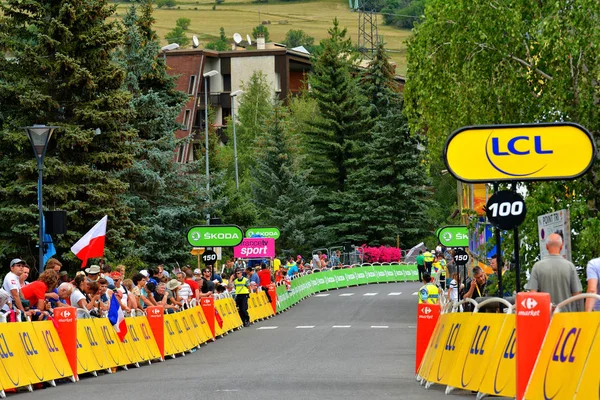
x=91 y=245
x=117 y=318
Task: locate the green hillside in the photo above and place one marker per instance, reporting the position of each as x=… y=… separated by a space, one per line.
x=314 y=17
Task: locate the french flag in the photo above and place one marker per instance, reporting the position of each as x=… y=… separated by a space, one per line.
x=91 y=245
x=117 y=318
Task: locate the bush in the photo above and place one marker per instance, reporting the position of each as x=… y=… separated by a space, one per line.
x=184 y=23
x=382 y=254
x=166 y=3
x=261 y=29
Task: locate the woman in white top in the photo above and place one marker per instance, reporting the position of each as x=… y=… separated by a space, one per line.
x=78 y=297
x=453 y=290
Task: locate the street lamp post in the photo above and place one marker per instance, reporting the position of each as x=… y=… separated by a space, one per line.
x=164 y=49
x=235 y=157
x=206 y=76
x=39 y=136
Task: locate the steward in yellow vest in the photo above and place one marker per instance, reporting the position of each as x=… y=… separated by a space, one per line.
x=429 y=293
x=241 y=296
x=428 y=258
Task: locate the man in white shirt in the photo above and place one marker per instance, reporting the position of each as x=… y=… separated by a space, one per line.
x=185 y=291
x=12 y=285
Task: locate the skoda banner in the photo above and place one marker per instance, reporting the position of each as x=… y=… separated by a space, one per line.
x=453 y=236
x=528 y=152
x=215 y=236
x=266 y=232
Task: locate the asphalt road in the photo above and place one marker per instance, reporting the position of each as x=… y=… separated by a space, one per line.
x=354 y=343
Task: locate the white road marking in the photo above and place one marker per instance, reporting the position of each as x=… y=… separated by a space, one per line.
x=346 y=294
x=267 y=327
x=379 y=326
x=305 y=326
x=341 y=326
x=395 y=294
x=415 y=293
x=322 y=295
x=370 y=294
x=412 y=326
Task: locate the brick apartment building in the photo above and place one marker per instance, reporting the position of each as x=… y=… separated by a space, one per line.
x=285 y=70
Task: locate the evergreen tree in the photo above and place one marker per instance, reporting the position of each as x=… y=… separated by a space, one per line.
x=167 y=197
x=338 y=135
x=386 y=194
x=60 y=72
x=280 y=187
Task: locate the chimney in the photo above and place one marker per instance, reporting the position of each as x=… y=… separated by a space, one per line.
x=260 y=42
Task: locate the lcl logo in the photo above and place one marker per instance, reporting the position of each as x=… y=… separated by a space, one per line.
x=517 y=146
x=525 y=148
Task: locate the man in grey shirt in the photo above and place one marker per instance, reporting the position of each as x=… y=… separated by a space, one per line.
x=556 y=276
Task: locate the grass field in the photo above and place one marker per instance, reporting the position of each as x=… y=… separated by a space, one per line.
x=312 y=16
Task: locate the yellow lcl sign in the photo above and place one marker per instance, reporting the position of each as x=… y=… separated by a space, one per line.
x=519 y=152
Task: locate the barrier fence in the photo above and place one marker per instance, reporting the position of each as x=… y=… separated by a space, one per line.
x=526 y=352
x=306 y=285
x=35 y=352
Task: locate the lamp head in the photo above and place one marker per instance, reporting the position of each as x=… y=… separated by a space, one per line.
x=210 y=73
x=39 y=136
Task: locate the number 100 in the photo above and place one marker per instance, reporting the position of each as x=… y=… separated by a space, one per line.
x=505 y=209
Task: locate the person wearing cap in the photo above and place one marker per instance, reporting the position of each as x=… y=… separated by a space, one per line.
x=93 y=273
x=64 y=276
x=173 y=287
x=161 y=296
x=241 y=296
x=12 y=285
x=121 y=292
x=253 y=276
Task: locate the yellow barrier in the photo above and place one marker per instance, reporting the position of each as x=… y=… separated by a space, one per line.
x=173 y=341
x=588 y=385
x=501 y=374
x=476 y=350
x=90 y=356
x=564 y=354
x=31 y=354
x=446 y=353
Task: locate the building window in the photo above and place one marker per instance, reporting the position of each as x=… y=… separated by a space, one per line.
x=192 y=86
x=180 y=154
x=186 y=119
x=277 y=82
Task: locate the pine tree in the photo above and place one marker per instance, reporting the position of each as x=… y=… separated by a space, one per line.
x=338 y=135
x=387 y=195
x=280 y=187
x=167 y=197
x=60 y=72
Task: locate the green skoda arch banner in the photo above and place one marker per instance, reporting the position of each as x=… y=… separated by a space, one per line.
x=454 y=236
x=264 y=231
x=215 y=236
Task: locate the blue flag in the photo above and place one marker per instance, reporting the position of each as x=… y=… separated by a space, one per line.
x=49 y=249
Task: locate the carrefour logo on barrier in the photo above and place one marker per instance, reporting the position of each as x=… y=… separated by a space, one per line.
x=529 y=304
x=519 y=152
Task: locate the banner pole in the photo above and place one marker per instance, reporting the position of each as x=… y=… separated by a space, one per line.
x=498 y=254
